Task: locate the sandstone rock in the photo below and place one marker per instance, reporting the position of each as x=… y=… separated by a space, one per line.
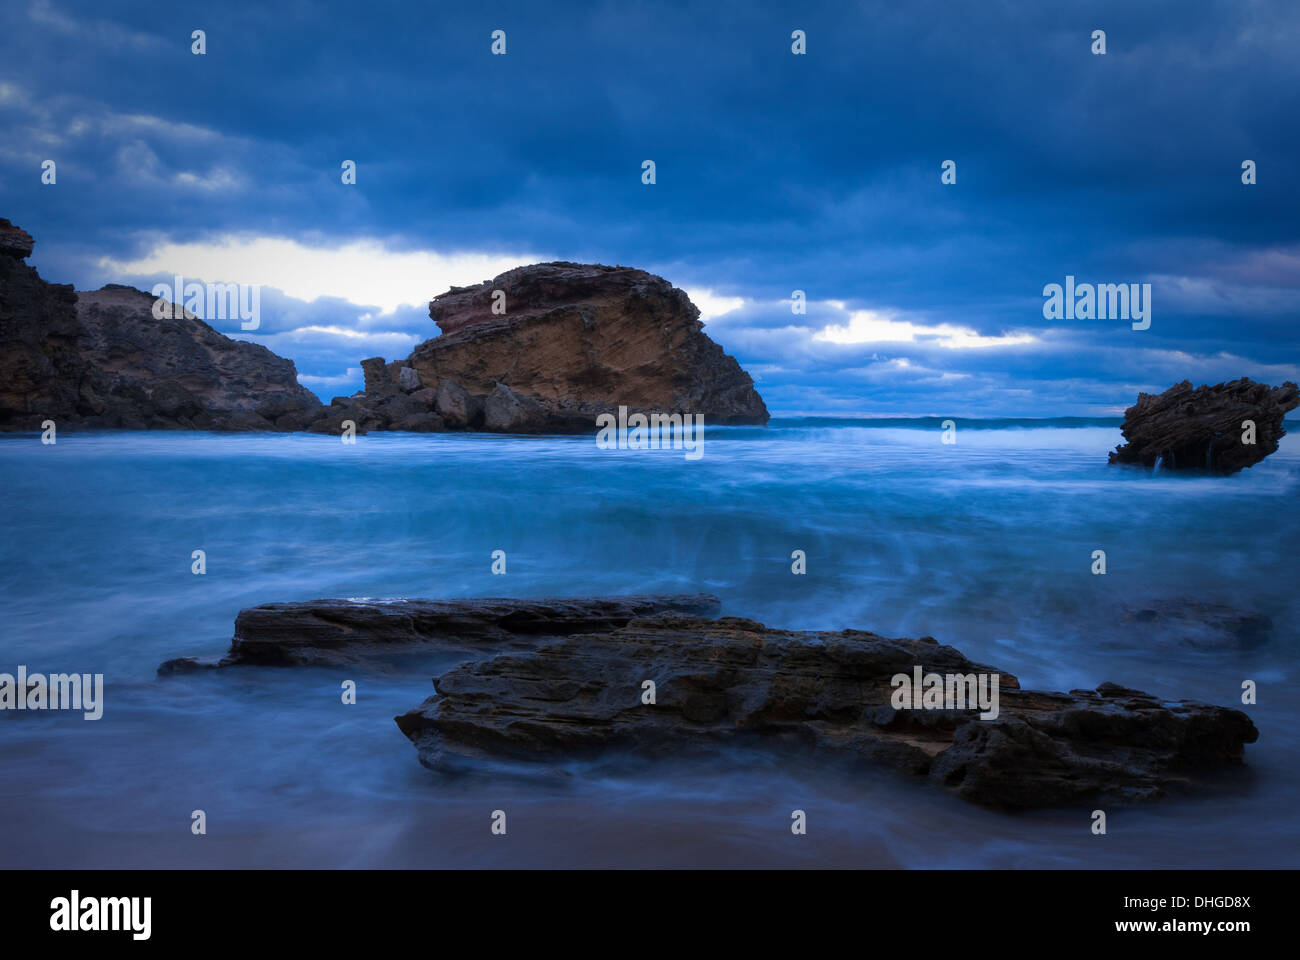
x=735 y=681
x=408 y=379
x=453 y=404
x=580 y=340
x=426 y=397
x=378 y=381
x=1201 y=429
x=505 y=412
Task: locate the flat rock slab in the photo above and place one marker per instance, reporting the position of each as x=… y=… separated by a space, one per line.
x=732 y=681
x=333 y=633
x=547 y=680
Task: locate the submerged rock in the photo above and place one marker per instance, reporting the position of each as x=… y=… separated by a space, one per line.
x=1199 y=625
x=736 y=681
x=338 y=632
x=1204 y=428
x=553 y=679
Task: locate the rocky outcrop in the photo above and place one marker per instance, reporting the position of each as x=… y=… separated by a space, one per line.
x=549 y=347
x=545 y=680
x=179 y=372
x=1204 y=428
x=337 y=632
x=103 y=360
x=540 y=349
x=732 y=681
x=14 y=241
x=41 y=365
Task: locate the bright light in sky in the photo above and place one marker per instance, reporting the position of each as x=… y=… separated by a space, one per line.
x=364 y=272
x=871 y=326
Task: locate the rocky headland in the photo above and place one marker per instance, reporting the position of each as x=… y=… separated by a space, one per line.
x=1205 y=428
x=544 y=348
x=546 y=680
x=549 y=347
x=102 y=360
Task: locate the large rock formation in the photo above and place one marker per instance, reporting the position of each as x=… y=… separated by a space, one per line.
x=1202 y=428
x=103 y=360
x=543 y=680
x=574 y=341
x=180 y=372
x=41 y=366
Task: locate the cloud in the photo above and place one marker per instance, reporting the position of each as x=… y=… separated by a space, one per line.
x=364 y=272
x=871 y=326
x=711 y=305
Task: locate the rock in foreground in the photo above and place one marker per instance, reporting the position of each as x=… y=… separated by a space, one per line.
x=550 y=679
x=1202 y=428
x=733 y=681
x=331 y=633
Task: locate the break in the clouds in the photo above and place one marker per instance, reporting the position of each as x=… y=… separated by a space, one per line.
x=775 y=172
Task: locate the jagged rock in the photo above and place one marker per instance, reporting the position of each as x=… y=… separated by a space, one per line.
x=379 y=383
x=240 y=385
x=453 y=404
x=426 y=397
x=102 y=359
x=14 y=241
x=583 y=339
x=41 y=367
x=338 y=632
x=551 y=679
x=1201 y=429
x=505 y=412
x=408 y=379
x=735 y=681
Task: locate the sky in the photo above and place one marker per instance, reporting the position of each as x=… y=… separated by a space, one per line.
x=774 y=172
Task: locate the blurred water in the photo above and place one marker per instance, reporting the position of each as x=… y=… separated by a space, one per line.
x=985 y=544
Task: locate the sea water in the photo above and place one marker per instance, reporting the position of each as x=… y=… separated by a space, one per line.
x=986 y=544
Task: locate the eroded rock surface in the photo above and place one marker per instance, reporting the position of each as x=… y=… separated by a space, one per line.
x=338 y=632
x=555 y=679
x=1202 y=428
x=733 y=681
x=101 y=359
x=575 y=341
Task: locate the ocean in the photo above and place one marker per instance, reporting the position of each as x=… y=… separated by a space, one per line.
x=986 y=544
